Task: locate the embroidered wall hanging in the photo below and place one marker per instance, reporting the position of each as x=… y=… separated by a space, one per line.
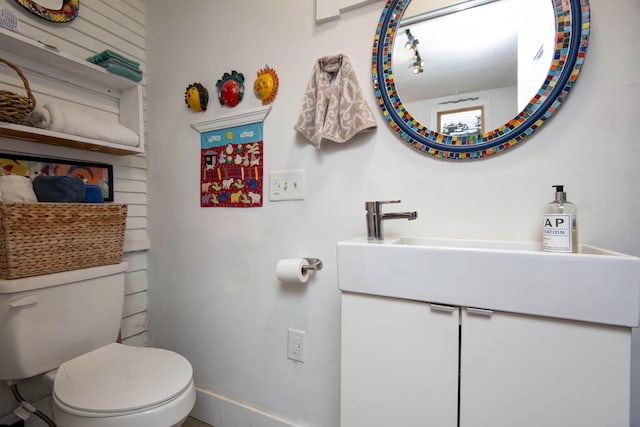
x=231 y=160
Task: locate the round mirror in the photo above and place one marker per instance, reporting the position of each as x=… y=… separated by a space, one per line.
x=470 y=79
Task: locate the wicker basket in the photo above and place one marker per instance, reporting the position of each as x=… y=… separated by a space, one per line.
x=42 y=238
x=13 y=107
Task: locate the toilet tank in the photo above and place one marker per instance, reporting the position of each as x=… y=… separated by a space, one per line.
x=49 y=319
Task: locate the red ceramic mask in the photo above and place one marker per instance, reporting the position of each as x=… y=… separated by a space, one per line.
x=230 y=88
x=229 y=93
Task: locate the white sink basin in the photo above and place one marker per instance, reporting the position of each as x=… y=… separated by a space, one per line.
x=596 y=285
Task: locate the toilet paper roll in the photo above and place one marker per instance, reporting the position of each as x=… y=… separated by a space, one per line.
x=290 y=270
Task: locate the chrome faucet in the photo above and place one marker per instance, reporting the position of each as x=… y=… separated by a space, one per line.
x=375 y=218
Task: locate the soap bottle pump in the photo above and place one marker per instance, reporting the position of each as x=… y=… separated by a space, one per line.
x=560 y=228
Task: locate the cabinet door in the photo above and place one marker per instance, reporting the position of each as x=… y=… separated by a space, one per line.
x=528 y=371
x=399 y=363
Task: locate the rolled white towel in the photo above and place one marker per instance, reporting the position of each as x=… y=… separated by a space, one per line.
x=59 y=119
x=39 y=118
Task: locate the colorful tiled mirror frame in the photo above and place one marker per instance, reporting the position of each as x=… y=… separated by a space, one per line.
x=67 y=12
x=573 y=24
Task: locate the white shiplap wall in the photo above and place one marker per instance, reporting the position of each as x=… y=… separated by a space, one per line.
x=118 y=25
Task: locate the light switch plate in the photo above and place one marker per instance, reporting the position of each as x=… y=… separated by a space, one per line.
x=286 y=185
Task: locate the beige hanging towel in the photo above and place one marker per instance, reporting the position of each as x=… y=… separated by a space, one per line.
x=333 y=106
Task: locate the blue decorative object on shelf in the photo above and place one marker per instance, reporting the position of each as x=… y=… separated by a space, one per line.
x=117 y=64
x=93 y=194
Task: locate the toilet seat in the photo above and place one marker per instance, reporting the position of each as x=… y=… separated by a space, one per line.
x=118 y=380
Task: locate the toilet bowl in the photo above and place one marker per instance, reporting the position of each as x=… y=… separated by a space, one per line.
x=119 y=385
x=68 y=323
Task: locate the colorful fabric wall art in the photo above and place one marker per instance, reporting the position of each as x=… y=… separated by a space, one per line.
x=231 y=167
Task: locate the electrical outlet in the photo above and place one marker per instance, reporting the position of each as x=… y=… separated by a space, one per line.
x=286 y=185
x=295 y=345
x=275 y=186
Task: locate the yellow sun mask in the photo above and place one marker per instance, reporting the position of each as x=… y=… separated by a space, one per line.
x=266 y=85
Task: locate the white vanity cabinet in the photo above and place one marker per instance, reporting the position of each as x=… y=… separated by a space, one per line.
x=401 y=360
x=399 y=363
x=526 y=371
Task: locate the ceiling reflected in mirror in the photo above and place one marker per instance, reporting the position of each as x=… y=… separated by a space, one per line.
x=459 y=56
x=467 y=61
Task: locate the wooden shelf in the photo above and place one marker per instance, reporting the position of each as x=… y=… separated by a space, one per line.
x=70 y=65
x=65 y=74
x=11 y=130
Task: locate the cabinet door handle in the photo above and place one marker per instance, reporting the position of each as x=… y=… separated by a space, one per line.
x=441 y=307
x=480 y=311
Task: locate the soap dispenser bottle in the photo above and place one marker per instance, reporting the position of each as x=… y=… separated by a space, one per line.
x=560 y=229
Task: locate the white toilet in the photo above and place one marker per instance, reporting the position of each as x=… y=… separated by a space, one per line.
x=65 y=325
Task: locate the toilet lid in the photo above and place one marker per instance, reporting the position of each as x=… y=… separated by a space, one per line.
x=119 y=378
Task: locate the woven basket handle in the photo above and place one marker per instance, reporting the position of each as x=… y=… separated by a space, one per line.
x=24 y=80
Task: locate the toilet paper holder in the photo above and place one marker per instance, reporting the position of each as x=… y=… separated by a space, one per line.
x=314 y=264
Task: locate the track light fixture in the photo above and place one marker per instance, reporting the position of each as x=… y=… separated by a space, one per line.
x=412 y=44
x=418 y=64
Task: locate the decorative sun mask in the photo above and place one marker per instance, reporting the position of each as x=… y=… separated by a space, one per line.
x=230 y=88
x=196 y=97
x=266 y=85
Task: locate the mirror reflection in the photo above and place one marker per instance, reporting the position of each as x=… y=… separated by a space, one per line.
x=469 y=67
x=49 y=4
x=473 y=130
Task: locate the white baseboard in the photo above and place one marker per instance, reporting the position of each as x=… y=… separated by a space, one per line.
x=221 y=411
